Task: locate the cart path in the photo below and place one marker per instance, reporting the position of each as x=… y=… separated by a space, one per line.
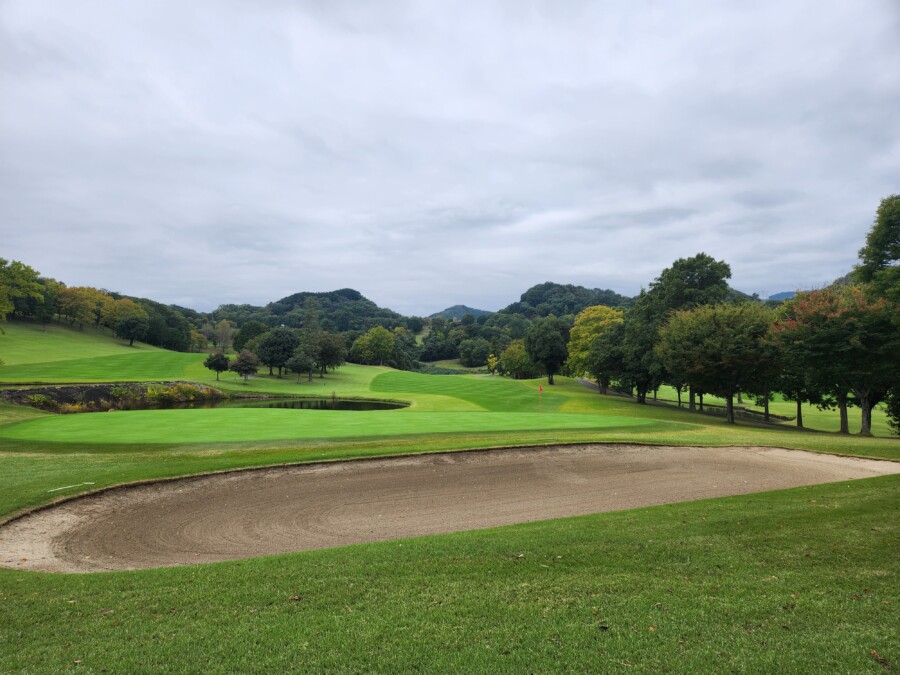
x=252 y=513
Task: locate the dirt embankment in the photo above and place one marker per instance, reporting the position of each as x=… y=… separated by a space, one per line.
x=252 y=513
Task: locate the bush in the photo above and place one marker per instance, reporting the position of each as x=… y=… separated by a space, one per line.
x=41 y=401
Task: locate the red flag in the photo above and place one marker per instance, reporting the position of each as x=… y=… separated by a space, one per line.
x=541 y=389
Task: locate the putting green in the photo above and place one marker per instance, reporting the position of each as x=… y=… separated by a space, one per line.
x=231 y=424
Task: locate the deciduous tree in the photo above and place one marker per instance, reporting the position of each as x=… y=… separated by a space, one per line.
x=716 y=348
x=545 y=343
x=218 y=362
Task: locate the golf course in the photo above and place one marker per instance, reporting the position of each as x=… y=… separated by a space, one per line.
x=720 y=571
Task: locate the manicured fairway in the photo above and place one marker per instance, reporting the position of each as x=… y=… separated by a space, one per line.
x=134 y=367
x=232 y=425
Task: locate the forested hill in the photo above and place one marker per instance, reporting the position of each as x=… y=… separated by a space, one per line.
x=459 y=311
x=342 y=310
x=563 y=299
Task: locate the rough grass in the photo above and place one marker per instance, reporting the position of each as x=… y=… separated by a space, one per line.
x=801 y=580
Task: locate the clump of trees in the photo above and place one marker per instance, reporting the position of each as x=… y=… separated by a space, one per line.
x=834 y=347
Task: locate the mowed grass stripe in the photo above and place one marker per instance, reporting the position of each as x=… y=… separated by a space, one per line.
x=134 y=367
x=229 y=424
x=490 y=393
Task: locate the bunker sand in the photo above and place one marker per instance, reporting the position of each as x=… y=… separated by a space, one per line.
x=278 y=510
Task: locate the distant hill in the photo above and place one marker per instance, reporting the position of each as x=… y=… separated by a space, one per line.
x=784 y=295
x=342 y=310
x=457 y=312
x=561 y=299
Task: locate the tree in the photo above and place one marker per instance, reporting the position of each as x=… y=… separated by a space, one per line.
x=223 y=332
x=590 y=324
x=374 y=347
x=331 y=351
x=76 y=305
x=691 y=282
x=880 y=257
x=474 y=352
x=18 y=282
x=276 y=347
x=132 y=327
x=301 y=362
x=515 y=361
x=245 y=364
x=844 y=341
x=716 y=348
x=218 y=362
x=605 y=360
x=249 y=330
x=545 y=343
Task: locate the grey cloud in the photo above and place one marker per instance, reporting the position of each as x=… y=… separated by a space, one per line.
x=431 y=153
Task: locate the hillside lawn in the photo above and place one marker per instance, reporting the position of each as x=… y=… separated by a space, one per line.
x=797 y=580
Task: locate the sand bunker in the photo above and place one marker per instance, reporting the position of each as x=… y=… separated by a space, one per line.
x=253 y=513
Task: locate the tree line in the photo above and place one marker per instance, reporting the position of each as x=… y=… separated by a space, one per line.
x=833 y=347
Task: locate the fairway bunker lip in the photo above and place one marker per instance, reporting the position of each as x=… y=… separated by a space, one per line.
x=263 y=511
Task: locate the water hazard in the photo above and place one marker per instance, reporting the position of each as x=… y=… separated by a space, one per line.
x=291 y=403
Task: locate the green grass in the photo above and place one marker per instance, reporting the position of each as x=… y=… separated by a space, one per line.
x=249 y=424
x=802 y=580
x=25 y=343
x=797 y=580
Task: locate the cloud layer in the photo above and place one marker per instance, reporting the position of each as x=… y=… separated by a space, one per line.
x=434 y=153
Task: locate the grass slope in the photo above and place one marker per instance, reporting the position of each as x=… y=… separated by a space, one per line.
x=23 y=343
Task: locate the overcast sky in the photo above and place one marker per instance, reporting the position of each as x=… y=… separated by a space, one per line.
x=435 y=153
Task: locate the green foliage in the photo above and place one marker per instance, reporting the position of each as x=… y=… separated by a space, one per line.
x=545 y=343
x=691 y=282
x=589 y=325
x=515 y=361
x=217 y=362
x=474 y=352
x=717 y=348
x=880 y=257
x=18 y=282
x=276 y=347
x=554 y=299
x=248 y=331
x=41 y=401
x=245 y=364
x=375 y=347
x=841 y=340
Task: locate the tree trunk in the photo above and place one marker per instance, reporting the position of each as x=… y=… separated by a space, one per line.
x=692 y=406
x=131 y=342
x=270 y=370
x=740 y=398
x=766 y=408
x=217 y=376
x=549 y=378
x=799 y=412
x=678 y=390
x=729 y=408
x=865 y=410
x=655 y=392
x=309 y=376
x=842 y=408
x=701 y=401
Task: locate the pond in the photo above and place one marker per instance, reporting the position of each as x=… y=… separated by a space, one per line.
x=293 y=403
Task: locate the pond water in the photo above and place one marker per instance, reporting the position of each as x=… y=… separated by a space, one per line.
x=293 y=403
